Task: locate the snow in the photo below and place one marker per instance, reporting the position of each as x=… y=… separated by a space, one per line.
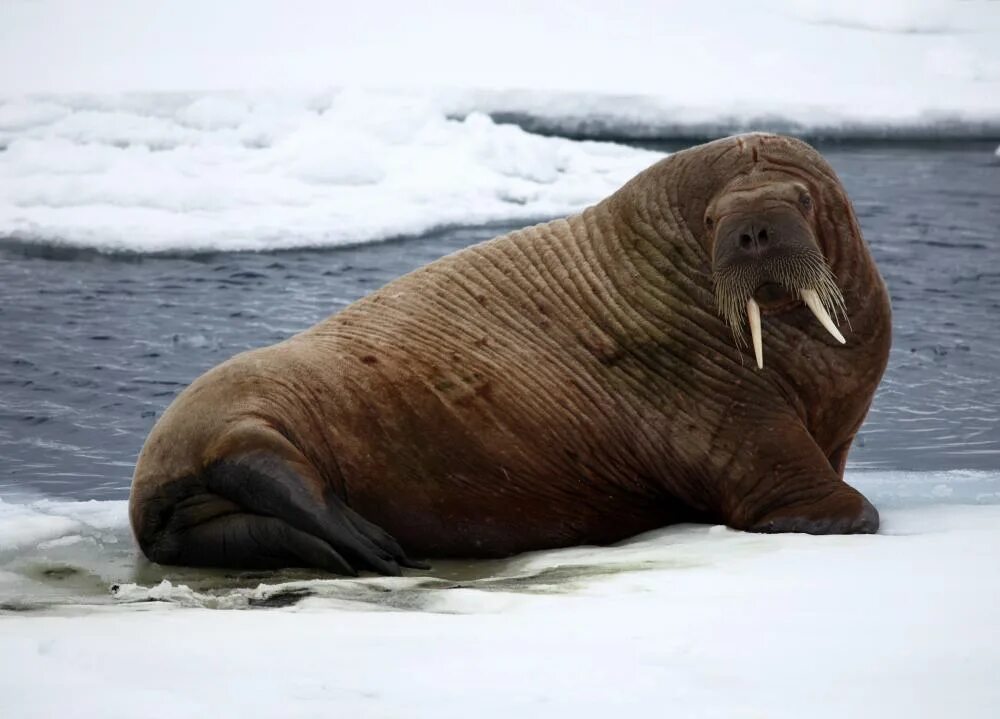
x=703 y=621
x=250 y=172
x=896 y=56
x=296 y=124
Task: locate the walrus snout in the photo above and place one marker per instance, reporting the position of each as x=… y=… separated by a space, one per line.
x=762 y=237
x=765 y=251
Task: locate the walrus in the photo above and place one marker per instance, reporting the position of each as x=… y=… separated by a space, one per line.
x=575 y=382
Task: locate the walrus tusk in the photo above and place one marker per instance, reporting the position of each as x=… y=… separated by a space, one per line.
x=811 y=298
x=753 y=313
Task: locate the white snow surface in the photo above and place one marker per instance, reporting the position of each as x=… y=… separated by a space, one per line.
x=268 y=171
x=892 y=58
x=692 y=620
x=191 y=125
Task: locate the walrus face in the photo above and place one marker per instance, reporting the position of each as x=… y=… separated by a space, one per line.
x=765 y=254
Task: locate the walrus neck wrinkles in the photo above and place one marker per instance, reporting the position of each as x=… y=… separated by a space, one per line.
x=658 y=306
x=651 y=231
x=664 y=273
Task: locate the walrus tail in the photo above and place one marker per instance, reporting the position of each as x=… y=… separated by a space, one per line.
x=255 y=512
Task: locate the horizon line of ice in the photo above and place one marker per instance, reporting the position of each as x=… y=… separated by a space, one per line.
x=574 y=114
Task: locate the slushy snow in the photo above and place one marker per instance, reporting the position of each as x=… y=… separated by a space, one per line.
x=690 y=620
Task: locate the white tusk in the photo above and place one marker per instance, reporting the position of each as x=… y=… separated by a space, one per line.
x=811 y=298
x=753 y=313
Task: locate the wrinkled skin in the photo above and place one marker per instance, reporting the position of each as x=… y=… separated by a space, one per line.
x=569 y=383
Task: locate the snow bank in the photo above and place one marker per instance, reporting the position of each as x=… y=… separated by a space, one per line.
x=238 y=172
x=703 y=620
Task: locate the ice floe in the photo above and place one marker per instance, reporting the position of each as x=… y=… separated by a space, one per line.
x=705 y=620
x=236 y=172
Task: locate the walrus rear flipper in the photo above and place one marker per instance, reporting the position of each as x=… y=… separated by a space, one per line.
x=256 y=511
x=250 y=541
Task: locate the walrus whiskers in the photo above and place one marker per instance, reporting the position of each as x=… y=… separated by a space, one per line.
x=805 y=276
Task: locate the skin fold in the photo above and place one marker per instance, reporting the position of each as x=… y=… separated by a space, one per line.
x=570 y=383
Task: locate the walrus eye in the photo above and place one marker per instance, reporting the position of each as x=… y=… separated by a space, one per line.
x=709 y=222
x=806 y=200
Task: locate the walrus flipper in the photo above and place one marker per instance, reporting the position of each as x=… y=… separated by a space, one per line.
x=251 y=541
x=260 y=510
x=327 y=534
x=792 y=487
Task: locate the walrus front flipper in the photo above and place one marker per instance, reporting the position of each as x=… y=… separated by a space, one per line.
x=268 y=487
x=790 y=486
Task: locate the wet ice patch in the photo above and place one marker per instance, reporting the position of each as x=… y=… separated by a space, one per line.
x=55 y=552
x=182 y=595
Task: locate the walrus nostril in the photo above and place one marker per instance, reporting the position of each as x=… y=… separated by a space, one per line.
x=762 y=236
x=746 y=241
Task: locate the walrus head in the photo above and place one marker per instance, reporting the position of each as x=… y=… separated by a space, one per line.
x=766 y=254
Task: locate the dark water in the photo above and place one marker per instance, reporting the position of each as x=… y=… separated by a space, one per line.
x=93 y=347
